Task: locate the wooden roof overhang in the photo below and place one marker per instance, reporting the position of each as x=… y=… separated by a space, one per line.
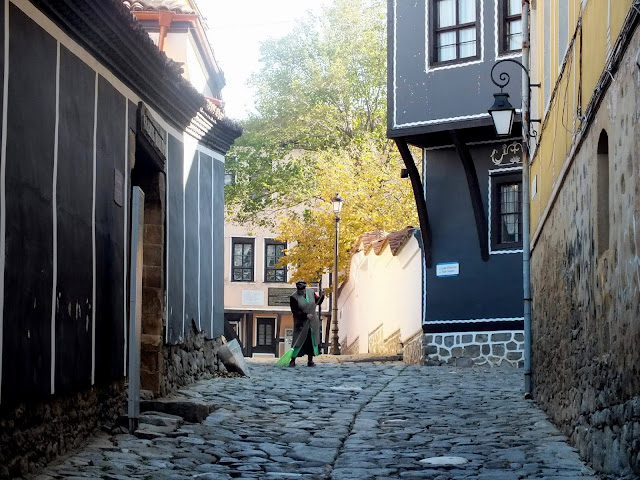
x=108 y=30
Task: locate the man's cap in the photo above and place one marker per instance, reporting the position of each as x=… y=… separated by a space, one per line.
x=301 y=284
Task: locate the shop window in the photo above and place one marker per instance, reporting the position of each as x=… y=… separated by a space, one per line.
x=510 y=26
x=603 y=192
x=454 y=31
x=506 y=212
x=273 y=252
x=242 y=259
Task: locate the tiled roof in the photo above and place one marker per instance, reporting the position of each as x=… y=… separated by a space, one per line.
x=177 y=6
x=377 y=240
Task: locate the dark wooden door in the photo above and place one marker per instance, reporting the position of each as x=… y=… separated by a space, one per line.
x=265 y=335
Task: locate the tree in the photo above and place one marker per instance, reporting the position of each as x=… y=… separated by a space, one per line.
x=321 y=129
x=376 y=198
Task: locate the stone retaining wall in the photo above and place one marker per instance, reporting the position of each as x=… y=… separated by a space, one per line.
x=187 y=362
x=384 y=346
x=350 y=349
x=413 y=353
x=586 y=301
x=33 y=434
x=466 y=349
x=376 y=340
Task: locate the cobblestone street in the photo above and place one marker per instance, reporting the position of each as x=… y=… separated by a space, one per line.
x=351 y=420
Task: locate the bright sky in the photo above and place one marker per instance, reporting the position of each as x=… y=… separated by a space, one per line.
x=235 y=30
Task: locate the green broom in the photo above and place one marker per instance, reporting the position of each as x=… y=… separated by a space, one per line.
x=286 y=358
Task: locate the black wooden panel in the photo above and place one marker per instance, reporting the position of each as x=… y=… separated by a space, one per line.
x=31 y=114
x=206 y=313
x=74 y=215
x=191 y=245
x=175 y=239
x=109 y=306
x=132 y=115
x=218 y=248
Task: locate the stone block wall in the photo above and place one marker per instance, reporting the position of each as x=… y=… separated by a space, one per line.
x=466 y=349
x=586 y=305
x=33 y=434
x=189 y=361
x=350 y=349
x=384 y=346
x=376 y=340
x=412 y=352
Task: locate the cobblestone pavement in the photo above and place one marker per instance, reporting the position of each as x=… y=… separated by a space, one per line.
x=346 y=421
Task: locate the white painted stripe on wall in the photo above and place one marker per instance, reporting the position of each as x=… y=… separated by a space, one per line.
x=212 y=244
x=3 y=177
x=198 y=235
x=54 y=211
x=93 y=236
x=125 y=197
x=166 y=251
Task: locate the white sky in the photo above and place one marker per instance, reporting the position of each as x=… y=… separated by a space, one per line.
x=235 y=30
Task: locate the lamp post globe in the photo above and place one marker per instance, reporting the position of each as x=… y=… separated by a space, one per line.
x=337 y=202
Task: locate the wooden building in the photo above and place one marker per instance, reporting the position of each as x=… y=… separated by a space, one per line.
x=440 y=55
x=91 y=109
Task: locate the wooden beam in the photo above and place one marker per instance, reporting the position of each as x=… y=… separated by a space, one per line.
x=474 y=191
x=421 y=204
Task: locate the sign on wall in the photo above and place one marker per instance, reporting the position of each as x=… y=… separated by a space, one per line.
x=279 y=297
x=449 y=269
x=253 y=297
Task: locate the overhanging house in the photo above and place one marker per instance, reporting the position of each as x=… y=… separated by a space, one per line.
x=92 y=109
x=440 y=54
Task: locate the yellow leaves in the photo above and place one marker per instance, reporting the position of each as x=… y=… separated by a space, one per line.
x=368 y=178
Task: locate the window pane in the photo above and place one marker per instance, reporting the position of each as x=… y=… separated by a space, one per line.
x=446 y=13
x=514 y=35
x=246 y=274
x=268 y=334
x=271 y=250
x=248 y=250
x=446 y=46
x=271 y=276
x=271 y=262
x=466 y=11
x=515 y=7
x=237 y=275
x=279 y=251
x=279 y=275
x=237 y=249
x=237 y=261
x=468 y=42
x=510 y=213
x=261 y=335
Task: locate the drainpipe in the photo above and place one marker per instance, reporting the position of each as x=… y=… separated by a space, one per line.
x=526 y=248
x=165 y=17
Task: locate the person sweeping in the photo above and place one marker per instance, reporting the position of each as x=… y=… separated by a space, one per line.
x=306 y=330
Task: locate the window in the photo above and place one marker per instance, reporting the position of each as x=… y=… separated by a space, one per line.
x=242 y=260
x=506 y=212
x=265 y=332
x=603 y=192
x=511 y=26
x=273 y=252
x=455 y=30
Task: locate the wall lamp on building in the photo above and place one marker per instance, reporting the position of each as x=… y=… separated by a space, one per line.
x=337 y=202
x=502 y=112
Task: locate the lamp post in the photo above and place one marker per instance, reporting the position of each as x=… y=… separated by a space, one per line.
x=502 y=114
x=335 y=344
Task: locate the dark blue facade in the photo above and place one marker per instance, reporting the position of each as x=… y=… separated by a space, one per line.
x=442 y=108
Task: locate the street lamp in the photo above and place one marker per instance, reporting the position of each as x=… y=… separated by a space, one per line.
x=335 y=345
x=502 y=114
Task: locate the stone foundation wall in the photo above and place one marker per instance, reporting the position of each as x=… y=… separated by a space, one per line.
x=376 y=340
x=586 y=304
x=413 y=353
x=187 y=362
x=33 y=434
x=384 y=346
x=350 y=349
x=497 y=349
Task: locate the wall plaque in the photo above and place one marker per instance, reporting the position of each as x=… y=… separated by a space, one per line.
x=449 y=269
x=253 y=297
x=279 y=297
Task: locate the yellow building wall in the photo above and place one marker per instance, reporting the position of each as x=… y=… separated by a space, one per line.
x=595 y=26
